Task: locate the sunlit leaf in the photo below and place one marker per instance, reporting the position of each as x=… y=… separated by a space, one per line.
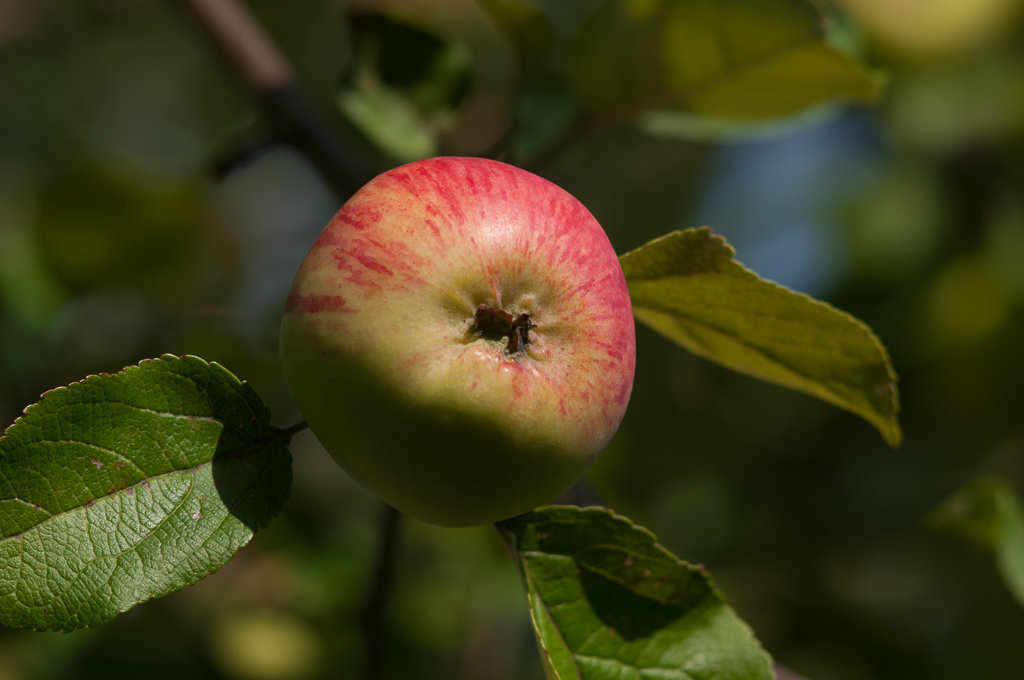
x=990 y=512
x=608 y=602
x=686 y=286
x=129 y=486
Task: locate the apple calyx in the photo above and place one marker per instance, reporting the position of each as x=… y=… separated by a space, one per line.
x=497 y=324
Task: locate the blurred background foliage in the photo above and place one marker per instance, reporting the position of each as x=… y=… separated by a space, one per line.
x=131 y=225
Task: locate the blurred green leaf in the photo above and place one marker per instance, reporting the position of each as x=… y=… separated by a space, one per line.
x=389 y=120
x=990 y=512
x=745 y=60
x=403 y=86
x=608 y=602
x=686 y=286
x=98 y=229
x=525 y=24
x=129 y=486
x=425 y=76
x=676 y=124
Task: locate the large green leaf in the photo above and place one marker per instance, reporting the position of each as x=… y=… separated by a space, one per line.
x=990 y=512
x=686 y=286
x=737 y=59
x=129 y=486
x=608 y=602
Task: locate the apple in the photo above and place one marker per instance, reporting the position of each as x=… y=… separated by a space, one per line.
x=460 y=339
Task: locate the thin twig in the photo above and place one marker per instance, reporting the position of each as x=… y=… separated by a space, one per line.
x=295 y=428
x=376 y=604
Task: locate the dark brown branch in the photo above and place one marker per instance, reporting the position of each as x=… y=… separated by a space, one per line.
x=261 y=67
x=381 y=586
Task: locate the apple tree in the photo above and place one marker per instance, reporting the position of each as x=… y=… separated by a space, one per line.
x=125 y=486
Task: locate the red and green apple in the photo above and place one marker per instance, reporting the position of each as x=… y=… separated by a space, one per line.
x=460 y=339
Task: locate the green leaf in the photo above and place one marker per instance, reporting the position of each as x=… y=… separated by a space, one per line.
x=686 y=286
x=990 y=512
x=745 y=60
x=125 y=487
x=389 y=120
x=608 y=602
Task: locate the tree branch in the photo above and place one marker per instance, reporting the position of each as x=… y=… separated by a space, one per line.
x=375 y=607
x=261 y=67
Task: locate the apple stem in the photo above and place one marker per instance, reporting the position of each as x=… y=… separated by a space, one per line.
x=496 y=324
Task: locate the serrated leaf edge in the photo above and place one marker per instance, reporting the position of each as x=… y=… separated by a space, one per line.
x=122 y=371
x=276 y=433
